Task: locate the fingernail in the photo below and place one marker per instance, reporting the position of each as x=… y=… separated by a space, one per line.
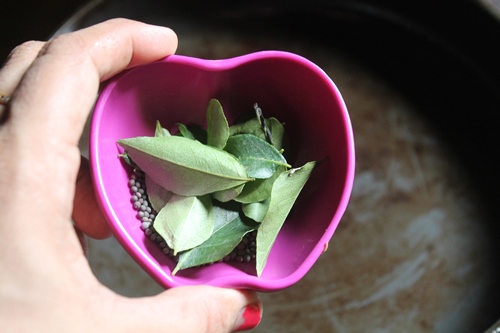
x=250 y=317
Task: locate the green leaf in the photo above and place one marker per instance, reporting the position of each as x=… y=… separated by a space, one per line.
x=125 y=157
x=229 y=230
x=278 y=132
x=185 y=222
x=184 y=166
x=158 y=196
x=185 y=132
x=260 y=158
x=217 y=126
x=160 y=131
x=259 y=189
x=251 y=126
x=285 y=191
x=254 y=127
x=229 y=194
x=256 y=210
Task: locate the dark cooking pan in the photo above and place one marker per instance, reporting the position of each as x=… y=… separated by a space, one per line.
x=421 y=79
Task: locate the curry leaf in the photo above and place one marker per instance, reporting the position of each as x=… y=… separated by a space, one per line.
x=211 y=187
x=185 y=222
x=160 y=131
x=228 y=232
x=126 y=158
x=278 y=132
x=185 y=166
x=158 y=196
x=256 y=210
x=217 y=126
x=259 y=189
x=285 y=191
x=260 y=158
x=254 y=127
x=185 y=132
x=229 y=194
x=251 y=126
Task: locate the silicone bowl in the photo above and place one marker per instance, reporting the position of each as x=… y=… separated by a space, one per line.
x=177 y=89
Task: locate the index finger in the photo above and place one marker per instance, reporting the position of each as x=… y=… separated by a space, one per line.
x=59 y=88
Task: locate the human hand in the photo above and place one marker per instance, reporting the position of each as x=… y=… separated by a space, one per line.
x=46 y=284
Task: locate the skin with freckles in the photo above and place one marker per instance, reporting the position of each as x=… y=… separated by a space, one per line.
x=46 y=284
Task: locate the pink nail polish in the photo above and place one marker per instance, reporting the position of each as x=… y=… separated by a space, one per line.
x=251 y=317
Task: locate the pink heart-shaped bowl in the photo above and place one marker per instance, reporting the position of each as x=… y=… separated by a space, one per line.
x=177 y=89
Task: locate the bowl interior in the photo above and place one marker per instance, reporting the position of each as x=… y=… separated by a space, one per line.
x=177 y=89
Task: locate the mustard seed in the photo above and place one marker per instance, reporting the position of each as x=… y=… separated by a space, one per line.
x=244 y=252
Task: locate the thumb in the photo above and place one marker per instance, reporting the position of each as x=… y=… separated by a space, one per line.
x=196 y=309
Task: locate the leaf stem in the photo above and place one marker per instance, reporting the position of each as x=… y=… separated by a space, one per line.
x=262 y=121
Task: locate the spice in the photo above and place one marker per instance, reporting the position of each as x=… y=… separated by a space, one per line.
x=217 y=194
x=244 y=252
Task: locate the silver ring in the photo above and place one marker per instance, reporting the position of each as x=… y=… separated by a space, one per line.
x=4 y=99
